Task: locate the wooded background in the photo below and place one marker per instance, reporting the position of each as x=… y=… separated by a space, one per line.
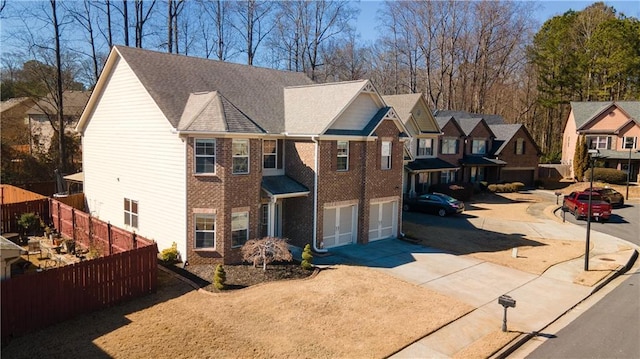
x=480 y=56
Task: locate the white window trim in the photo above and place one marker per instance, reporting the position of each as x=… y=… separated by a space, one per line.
x=246 y=214
x=484 y=147
x=130 y=214
x=418 y=154
x=598 y=138
x=635 y=142
x=196 y=155
x=343 y=155
x=520 y=146
x=386 y=165
x=195 y=230
x=264 y=155
x=447 y=140
x=247 y=156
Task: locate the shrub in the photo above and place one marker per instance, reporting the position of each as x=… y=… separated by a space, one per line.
x=506 y=188
x=517 y=186
x=608 y=175
x=30 y=222
x=170 y=255
x=307 y=258
x=265 y=251
x=492 y=188
x=459 y=191
x=219 y=277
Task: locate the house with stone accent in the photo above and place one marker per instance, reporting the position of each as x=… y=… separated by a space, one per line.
x=209 y=154
x=423 y=165
x=607 y=126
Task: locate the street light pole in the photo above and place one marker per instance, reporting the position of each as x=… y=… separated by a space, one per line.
x=629 y=145
x=593 y=154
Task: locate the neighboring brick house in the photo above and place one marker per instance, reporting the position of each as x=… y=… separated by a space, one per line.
x=209 y=154
x=423 y=167
x=478 y=163
x=515 y=146
x=606 y=126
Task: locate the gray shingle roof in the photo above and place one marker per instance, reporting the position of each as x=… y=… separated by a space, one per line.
x=426 y=164
x=583 y=112
x=283 y=185
x=170 y=79
x=468 y=124
x=504 y=134
x=212 y=112
x=481 y=161
x=489 y=119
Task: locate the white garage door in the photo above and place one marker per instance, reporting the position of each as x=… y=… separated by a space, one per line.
x=383 y=220
x=339 y=226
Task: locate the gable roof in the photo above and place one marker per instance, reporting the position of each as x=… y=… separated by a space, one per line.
x=468 y=124
x=312 y=109
x=73 y=103
x=8 y=104
x=585 y=112
x=404 y=105
x=488 y=118
x=170 y=79
x=505 y=133
x=385 y=113
x=443 y=120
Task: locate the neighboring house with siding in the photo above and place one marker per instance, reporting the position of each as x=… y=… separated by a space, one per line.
x=209 y=154
x=424 y=166
x=606 y=126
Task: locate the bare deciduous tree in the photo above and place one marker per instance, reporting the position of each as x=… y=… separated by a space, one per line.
x=266 y=250
x=142 y=16
x=254 y=25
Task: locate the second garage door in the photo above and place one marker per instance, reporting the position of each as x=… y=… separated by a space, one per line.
x=383 y=220
x=339 y=226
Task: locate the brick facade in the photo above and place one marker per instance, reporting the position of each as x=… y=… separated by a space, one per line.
x=220 y=194
x=526 y=164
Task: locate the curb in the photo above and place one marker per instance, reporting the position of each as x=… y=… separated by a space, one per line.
x=519 y=341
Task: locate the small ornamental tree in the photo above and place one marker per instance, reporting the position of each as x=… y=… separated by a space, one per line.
x=307 y=258
x=265 y=251
x=219 y=277
x=580 y=158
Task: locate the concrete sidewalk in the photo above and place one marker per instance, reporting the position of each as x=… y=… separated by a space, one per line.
x=541 y=299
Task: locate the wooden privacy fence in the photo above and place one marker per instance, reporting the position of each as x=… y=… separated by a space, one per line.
x=126 y=270
x=34 y=301
x=12 y=212
x=13 y=194
x=91 y=232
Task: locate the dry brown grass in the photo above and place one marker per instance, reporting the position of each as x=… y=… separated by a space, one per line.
x=487 y=345
x=342 y=312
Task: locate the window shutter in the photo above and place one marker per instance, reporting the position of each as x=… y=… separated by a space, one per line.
x=524 y=147
x=280 y=153
x=441 y=145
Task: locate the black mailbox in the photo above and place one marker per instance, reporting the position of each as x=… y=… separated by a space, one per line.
x=507 y=301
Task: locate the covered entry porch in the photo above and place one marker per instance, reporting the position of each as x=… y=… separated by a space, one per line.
x=276 y=190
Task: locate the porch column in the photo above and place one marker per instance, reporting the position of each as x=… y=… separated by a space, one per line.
x=272 y=217
x=412 y=190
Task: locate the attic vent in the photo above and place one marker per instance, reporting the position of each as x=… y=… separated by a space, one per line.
x=391 y=114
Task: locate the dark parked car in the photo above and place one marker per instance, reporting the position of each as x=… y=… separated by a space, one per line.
x=434 y=203
x=610 y=195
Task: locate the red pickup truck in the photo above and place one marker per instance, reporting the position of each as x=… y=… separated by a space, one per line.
x=578 y=204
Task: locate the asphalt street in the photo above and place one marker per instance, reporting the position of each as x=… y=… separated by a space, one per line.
x=611 y=327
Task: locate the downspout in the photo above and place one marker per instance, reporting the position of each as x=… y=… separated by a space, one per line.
x=315 y=198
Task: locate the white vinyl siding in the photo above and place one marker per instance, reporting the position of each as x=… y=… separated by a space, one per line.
x=358 y=114
x=130 y=152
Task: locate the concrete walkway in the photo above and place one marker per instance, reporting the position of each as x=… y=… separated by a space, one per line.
x=541 y=299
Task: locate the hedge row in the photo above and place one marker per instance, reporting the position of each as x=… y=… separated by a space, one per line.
x=608 y=175
x=507 y=187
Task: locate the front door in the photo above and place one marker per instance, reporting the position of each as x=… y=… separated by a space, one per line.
x=383 y=220
x=338 y=226
x=271 y=221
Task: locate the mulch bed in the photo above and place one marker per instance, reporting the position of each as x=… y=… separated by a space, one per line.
x=240 y=275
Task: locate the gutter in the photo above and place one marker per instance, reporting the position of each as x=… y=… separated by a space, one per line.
x=314 y=139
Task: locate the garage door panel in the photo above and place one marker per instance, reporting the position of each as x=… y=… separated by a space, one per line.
x=382 y=220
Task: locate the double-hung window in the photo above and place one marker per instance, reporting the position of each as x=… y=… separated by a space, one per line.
x=131 y=213
x=205 y=230
x=386 y=155
x=205 y=158
x=269 y=154
x=425 y=147
x=599 y=142
x=343 y=156
x=479 y=147
x=239 y=228
x=449 y=146
x=629 y=143
x=240 y=153
x=520 y=146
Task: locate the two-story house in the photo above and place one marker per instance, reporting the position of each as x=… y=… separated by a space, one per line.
x=607 y=126
x=423 y=166
x=209 y=154
x=516 y=147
